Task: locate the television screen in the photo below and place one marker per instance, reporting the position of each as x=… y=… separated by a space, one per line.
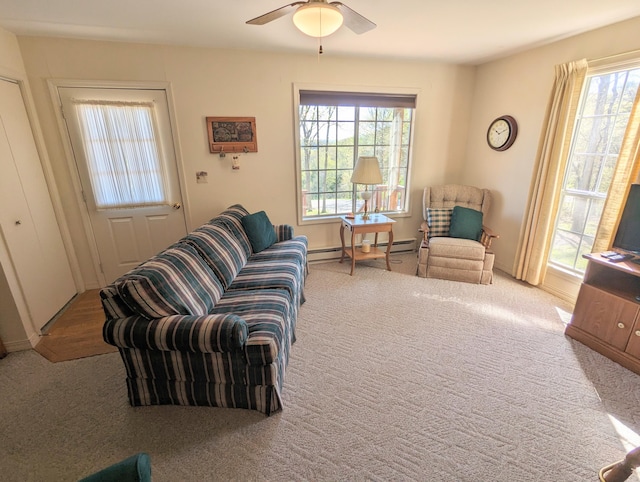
x=628 y=234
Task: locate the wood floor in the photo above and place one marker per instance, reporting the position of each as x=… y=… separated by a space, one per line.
x=77 y=333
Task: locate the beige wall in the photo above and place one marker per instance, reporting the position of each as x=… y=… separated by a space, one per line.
x=520 y=85
x=210 y=82
x=12 y=330
x=455 y=107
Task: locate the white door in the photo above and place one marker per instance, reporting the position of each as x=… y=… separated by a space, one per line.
x=124 y=151
x=28 y=222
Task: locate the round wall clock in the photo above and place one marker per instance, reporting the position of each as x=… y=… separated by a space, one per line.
x=502 y=133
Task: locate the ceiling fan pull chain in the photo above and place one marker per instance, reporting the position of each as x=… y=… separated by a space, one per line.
x=320 y=38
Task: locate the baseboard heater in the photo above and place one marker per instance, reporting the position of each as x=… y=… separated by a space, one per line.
x=323 y=254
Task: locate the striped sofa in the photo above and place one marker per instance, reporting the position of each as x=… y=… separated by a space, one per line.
x=207 y=321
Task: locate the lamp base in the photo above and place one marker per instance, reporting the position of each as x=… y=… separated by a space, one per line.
x=366 y=195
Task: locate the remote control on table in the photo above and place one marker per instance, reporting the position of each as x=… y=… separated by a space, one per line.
x=608 y=254
x=619 y=257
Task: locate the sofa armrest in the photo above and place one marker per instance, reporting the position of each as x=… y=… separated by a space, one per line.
x=199 y=334
x=284 y=232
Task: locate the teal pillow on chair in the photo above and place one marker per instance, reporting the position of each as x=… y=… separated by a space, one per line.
x=259 y=230
x=465 y=223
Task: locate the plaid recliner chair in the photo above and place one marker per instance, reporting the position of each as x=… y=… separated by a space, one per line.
x=455 y=243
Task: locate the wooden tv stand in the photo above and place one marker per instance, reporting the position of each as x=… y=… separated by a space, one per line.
x=606 y=317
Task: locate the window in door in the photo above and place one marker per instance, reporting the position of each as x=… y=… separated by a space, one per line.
x=603 y=113
x=335 y=128
x=122 y=153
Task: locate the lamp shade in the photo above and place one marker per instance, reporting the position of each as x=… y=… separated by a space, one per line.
x=317 y=19
x=367 y=171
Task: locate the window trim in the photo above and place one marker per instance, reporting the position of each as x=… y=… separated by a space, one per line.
x=619 y=63
x=625 y=61
x=347 y=89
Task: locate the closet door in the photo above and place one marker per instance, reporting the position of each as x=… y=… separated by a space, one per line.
x=28 y=224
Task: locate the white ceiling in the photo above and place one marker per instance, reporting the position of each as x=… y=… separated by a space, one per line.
x=460 y=31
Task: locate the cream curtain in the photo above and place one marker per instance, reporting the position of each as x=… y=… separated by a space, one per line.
x=544 y=195
x=122 y=153
x=626 y=173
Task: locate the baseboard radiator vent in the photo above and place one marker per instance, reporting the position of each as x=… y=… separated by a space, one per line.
x=324 y=254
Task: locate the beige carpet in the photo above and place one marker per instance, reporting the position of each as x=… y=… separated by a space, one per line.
x=392 y=378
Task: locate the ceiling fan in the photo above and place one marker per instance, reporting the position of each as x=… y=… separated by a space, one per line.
x=318 y=18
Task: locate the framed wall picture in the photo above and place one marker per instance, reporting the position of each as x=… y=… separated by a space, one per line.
x=232 y=134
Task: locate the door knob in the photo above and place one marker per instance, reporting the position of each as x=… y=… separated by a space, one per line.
x=176 y=206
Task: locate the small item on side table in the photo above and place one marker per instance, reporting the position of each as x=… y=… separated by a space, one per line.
x=619 y=257
x=608 y=254
x=366 y=246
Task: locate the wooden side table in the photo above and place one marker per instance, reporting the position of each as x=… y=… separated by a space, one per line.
x=377 y=223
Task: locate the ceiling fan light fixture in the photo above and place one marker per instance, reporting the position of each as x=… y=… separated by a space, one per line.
x=317 y=19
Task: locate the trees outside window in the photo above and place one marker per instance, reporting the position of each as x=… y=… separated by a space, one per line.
x=337 y=128
x=603 y=114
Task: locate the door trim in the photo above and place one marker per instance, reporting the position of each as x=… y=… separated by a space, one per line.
x=53 y=85
x=32 y=332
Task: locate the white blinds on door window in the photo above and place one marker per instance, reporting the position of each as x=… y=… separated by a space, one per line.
x=122 y=153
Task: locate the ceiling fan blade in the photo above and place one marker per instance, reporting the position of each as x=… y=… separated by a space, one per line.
x=275 y=14
x=353 y=20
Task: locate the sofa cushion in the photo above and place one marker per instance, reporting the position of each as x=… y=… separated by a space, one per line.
x=232 y=218
x=267 y=313
x=294 y=248
x=222 y=251
x=438 y=220
x=259 y=230
x=284 y=274
x=175 y=282
x=465 y=223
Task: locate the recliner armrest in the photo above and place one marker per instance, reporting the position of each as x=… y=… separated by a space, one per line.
x=487 y=237
x=217 y=333
x=424 y=229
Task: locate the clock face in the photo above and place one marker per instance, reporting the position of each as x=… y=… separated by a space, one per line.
x=502 y=133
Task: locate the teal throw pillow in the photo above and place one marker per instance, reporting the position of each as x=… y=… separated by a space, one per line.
x=259 y=230
x=134 y=469
x=465 y=223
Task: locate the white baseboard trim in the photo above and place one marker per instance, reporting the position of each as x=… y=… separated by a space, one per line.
x=334 y=252
x=562 y=284
x=21 y=345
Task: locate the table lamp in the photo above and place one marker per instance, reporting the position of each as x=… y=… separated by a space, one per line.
x=367 y=172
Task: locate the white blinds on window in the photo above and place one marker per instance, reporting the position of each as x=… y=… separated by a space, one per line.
x=123 y=156
x=359 y=99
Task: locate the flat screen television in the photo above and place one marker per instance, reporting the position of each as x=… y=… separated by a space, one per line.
x=628 y=233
